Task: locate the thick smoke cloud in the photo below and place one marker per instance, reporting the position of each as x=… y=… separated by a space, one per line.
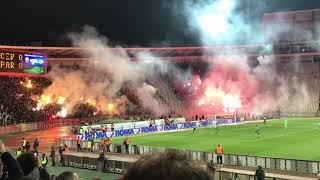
x=219 y=21
x=231 y=83
x=109 y=69
x=261 y=88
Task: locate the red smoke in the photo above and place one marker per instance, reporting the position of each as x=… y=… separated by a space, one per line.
x=228 y=87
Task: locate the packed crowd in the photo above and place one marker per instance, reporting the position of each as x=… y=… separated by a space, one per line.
x=16 y=103
x=28 y=166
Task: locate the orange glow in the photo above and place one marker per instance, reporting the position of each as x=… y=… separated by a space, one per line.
x=61 y=100
x=110 y=107
x=215 y=96
x=27 y=84
x=91 y=102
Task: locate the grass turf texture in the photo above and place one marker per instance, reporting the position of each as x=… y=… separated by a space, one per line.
x=301 y=140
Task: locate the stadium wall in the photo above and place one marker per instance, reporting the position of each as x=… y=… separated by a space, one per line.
x=23 y=127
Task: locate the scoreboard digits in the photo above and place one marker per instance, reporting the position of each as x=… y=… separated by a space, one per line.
x=7 y=61
x=22 y=62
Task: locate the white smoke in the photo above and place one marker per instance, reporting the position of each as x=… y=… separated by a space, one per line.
x=221 y=22
x=108 y=69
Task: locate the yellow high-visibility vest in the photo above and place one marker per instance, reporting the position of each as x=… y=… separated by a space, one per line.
x=18 y=153
x=81 y=131
x=44 y=161
x=89 y=144
x=24 y=142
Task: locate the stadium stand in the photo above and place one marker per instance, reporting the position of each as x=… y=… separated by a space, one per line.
x=305 y=89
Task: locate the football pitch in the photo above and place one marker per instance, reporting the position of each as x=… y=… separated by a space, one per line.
x=300 y=140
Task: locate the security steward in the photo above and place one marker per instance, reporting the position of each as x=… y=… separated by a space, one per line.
x=102 y=146
x=24 y=145
x=81 y=130
x=126 y=144
x=107 y=142
x=79 y=144
x=44 y=160
x=90 y=145
x=219 y=152
x=19 y=152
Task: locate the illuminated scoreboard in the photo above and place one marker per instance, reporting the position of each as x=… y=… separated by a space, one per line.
x=22 y=63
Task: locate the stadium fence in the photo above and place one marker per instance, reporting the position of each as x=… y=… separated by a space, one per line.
x=294 y=165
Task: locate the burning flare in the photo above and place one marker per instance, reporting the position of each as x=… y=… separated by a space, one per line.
x=217 y=97
x=28 y=84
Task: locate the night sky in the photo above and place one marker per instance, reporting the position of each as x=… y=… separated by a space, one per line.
x=124 y=22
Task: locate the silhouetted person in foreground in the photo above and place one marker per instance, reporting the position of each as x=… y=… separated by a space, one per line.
x=29 y=164
x=168 y=166
x=68 y=176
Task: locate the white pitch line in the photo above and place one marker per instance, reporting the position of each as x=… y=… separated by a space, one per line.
x=281 y=135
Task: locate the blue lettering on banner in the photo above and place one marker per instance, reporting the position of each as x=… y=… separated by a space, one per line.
x=159 y=128
x=190 y=125
x=136 y=131
x=181 y=126
x=126 y=132
x=171 y=127
x=89 y=136
x=149 y=129
x=101 y=135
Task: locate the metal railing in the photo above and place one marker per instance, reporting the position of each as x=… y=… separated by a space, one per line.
x=301 y=166
x=121 y=167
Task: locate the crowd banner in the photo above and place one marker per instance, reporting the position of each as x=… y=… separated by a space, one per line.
x=156 y=128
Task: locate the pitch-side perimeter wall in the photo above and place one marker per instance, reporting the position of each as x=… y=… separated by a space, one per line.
x=23 y=127
x=157 y=128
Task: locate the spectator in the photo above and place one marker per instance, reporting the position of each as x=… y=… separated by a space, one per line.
x=9 y=168
x=1 y=170
x=168 y=166
x=53 y=177
x=259 y=175
x=211 y=167
x=101 y=162
x=68 y=176
x=30 y=166
x=52 y=156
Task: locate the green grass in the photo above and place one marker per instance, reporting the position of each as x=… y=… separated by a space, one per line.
x=35 y=70
x=301 y=140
